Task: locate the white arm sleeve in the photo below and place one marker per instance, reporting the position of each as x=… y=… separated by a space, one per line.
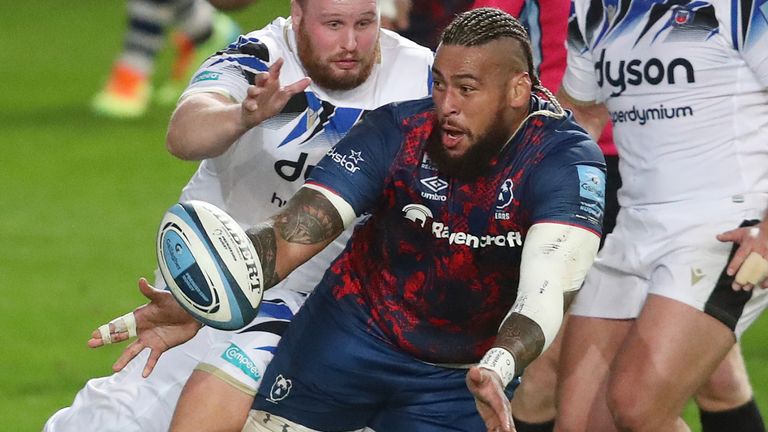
x=345 y=210
x=556 y=258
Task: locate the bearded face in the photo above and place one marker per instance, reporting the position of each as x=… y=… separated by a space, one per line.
x=338 y=59
x=476 y=159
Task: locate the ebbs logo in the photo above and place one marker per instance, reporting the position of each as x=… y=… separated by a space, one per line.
x=634 y=72
x=506 y=194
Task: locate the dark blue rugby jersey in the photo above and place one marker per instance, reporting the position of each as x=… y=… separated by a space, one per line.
x=435 y=267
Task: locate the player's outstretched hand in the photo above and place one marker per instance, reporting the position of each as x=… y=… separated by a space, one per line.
x=266 y=98
x=160 y=325
x=491 y=402
x=749 y=264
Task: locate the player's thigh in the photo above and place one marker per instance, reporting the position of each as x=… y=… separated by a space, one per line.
x=670 y=351
x=208 y=403
x=220 y=392
x=728 y=387
x=329 y=372
x=589 y=346
x=241 y=359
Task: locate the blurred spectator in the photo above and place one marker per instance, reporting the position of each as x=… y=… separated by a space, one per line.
x=201 y=29
x=428 y=18
x=395 y=14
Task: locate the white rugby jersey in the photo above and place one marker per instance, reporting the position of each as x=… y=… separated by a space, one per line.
x=685 y=84
x=267 y=165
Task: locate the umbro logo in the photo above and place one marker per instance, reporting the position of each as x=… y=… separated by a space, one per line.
x=435 y=184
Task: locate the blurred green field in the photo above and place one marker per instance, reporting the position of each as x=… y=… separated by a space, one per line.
x=80 y=200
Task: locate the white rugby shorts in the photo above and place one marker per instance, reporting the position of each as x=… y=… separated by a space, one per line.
x=671 y=250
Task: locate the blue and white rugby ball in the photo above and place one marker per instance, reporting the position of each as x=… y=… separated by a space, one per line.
x=210 y=265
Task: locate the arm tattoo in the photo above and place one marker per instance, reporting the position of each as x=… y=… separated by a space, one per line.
x=309 y=219
x=522 y=337
x=263 y=238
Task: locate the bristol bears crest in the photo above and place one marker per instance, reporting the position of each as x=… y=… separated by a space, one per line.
x=280 y=389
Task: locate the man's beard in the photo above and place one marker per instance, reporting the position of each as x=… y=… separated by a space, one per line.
x=322 y=72
x=476 y=160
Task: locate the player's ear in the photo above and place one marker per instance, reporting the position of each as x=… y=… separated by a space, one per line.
x=296 y=15
x=519 y=93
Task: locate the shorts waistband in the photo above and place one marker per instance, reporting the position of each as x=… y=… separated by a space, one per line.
x=756 y=200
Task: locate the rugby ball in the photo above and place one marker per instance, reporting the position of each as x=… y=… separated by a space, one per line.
x=210 y=265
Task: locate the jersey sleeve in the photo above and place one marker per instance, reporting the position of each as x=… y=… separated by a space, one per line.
x=231 y=71
x=750 y=34
x=579 y=80
x=356 y=168
x=569 y=186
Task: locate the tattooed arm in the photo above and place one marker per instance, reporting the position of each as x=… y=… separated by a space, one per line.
x=311 y=220
x=555 y=261
x=307 y=224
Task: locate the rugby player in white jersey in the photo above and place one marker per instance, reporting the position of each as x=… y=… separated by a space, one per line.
x=258 y=136
x=670 y=293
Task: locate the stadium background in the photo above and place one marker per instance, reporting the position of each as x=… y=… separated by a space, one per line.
x=80 y=200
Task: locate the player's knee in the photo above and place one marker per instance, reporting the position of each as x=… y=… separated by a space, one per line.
x=727 y=387
x=632 y=410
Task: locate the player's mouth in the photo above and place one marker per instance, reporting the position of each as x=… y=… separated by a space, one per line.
x=452 y=136
x=346 y=64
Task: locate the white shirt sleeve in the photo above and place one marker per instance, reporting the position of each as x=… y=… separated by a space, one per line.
x=751 y=37
x=579 y=80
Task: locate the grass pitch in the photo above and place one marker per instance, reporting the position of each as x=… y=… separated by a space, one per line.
x=80 y=200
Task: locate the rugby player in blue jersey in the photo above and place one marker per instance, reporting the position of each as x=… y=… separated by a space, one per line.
x=484 y=209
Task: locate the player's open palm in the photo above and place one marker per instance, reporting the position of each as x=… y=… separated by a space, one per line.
x=491 y=402
x=160 y=325
x=266 y=97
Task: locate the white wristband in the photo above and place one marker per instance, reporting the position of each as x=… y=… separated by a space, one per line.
x=500 y=361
